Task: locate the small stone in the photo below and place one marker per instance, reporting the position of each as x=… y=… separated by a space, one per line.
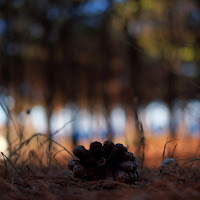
x=167 y=162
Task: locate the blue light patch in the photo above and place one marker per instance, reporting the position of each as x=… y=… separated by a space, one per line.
x=94 y=7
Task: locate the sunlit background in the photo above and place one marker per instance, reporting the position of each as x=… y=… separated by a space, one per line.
x=80 y=70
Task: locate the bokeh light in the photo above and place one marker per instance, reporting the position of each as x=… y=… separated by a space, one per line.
x=3 y=146
x=39 y=119
x=3 y=117
x=157 y=117
x=118 y=120
x=192 y=117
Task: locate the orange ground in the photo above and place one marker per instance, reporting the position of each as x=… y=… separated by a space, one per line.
x=56 y=182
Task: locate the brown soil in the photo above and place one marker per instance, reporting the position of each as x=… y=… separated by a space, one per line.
x=24 y=179
x=174 y=182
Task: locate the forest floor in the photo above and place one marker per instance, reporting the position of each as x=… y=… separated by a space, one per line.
x=179 y=180
x=174 y=182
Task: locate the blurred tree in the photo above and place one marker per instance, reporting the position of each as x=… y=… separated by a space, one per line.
x=93 y=51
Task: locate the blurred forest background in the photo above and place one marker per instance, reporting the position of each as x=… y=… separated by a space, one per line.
x=91 y=67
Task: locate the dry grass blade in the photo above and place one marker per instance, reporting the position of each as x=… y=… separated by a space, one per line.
x=142 y=137
x=36 y=135
x=191 y=160
x=6 y=167
x=172 y=155
x=8 y=114
x=166 y=146
x=29 y=170
x=54 y=157
x=57 y=131
x=58 y=163
x=57 y=153
x=12 y=164
x=60 y=129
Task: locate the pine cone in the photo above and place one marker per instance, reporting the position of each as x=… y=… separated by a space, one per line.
x=107 y=161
